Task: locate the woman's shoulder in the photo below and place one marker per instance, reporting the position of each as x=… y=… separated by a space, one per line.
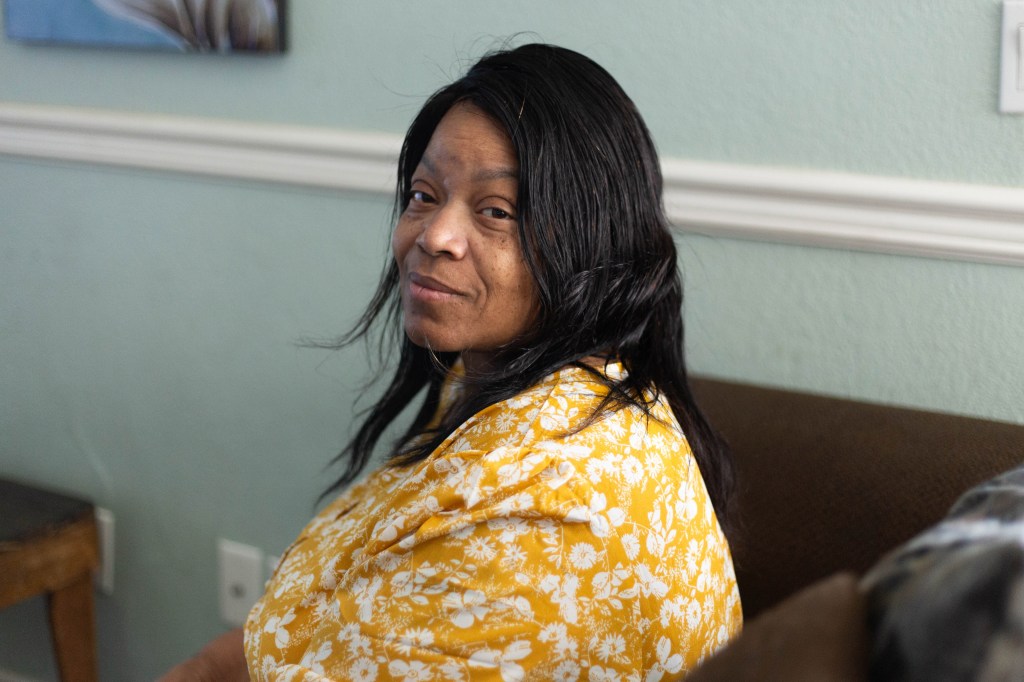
x=560 y=404
x=572 y=400
x=564 y=419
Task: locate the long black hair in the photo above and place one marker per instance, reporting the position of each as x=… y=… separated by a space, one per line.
x=595 y=239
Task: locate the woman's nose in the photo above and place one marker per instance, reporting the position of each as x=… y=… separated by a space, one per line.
x=444 y=233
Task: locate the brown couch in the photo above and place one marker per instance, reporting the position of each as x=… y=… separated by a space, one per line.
x=826 y=487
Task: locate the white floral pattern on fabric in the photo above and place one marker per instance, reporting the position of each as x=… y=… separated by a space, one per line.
x=515 y=551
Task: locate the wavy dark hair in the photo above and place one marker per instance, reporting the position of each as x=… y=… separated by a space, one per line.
x=595 y=238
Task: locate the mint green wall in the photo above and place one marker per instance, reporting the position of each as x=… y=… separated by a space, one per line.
x=905 y=88
x=148 y=320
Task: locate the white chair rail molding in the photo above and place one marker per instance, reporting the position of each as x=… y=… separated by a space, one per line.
x=814 y=208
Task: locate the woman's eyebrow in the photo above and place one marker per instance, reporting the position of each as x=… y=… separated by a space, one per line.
x=499 y=173
x=482 y=175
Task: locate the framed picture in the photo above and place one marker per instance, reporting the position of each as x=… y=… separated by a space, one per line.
x=183 y=25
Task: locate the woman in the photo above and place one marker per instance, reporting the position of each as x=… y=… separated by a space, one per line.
x=544 y=516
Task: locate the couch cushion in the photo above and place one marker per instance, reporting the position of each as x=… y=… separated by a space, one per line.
x=817 y=634
x=826 y=484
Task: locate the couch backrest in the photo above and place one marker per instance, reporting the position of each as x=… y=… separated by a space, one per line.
x=826 y=484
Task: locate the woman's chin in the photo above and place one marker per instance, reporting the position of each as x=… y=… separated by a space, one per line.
x=434 y=342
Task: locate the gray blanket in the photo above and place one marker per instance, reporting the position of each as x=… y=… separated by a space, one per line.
x=949 y=604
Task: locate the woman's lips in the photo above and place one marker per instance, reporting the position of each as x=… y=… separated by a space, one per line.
x=427 y=288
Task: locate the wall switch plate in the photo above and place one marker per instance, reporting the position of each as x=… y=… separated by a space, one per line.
x=103 y=578
x=241 y=579
x=1011 y=82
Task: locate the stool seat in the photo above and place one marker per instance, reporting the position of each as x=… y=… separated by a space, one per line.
x=49 y=546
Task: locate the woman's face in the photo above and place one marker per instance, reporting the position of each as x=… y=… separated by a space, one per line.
x=464 y=284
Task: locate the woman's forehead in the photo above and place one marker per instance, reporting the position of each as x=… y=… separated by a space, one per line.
x=468 y=138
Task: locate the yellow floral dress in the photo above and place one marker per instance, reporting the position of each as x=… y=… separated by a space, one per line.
x=513 y=552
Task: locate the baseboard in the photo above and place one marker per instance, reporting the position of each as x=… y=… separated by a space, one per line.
x=824 y=209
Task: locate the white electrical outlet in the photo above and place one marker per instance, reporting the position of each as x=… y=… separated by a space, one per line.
x=241 y=579
x=103 y=578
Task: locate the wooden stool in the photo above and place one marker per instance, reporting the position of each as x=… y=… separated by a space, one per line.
x=49 y=545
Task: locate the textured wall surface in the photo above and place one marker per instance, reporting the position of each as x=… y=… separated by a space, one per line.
x=908 y=89
x=148 y=321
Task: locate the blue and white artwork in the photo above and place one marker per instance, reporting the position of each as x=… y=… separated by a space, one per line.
x=184 y=25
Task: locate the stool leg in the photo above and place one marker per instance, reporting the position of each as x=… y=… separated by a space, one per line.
x=73 y=630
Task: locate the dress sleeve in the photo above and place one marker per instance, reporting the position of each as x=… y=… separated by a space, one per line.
x=518 y=570
x=475 y=598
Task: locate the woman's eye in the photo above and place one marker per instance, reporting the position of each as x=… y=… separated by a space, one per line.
x=420 y=197
x=493 y=212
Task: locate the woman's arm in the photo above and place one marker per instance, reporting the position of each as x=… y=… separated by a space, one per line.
x=222 y=660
